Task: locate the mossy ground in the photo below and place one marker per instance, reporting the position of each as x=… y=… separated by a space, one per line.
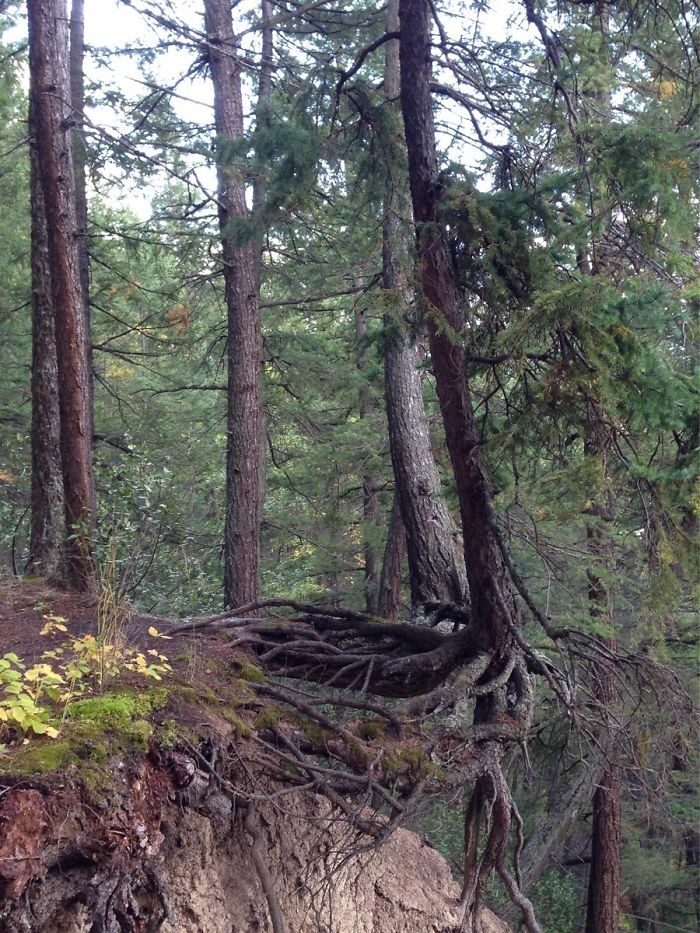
x=98 y=732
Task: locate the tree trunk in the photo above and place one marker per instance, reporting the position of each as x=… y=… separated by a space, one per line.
x=369 y=480
x=491 y=599
x=436 y=569
x=50 y=90
x=389 y=598
x=47 y=483
x=603 y=904
x=241 y=279
x=77 y=90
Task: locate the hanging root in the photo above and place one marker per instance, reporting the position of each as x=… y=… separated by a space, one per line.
x=492 y=802
x=252 y=827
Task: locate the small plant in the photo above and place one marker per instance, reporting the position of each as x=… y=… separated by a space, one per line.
x=34 y=699
x=23 y=690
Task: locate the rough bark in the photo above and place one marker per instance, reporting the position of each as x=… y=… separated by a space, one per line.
x=369 y=479
x=48 y=49
x=46 y=532
x=389 y=598
x=436 y=568
x=241 y=280
x=77 y=90
x=492 y=604
x=603 y=903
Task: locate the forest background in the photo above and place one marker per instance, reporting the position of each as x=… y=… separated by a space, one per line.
x=567 y=190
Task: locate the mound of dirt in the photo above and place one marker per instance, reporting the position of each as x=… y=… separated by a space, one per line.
x=197 y=860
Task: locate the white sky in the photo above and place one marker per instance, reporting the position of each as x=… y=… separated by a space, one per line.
x=114 y=25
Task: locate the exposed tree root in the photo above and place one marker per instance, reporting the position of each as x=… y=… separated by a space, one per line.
x=464 y=700
x=252 y=827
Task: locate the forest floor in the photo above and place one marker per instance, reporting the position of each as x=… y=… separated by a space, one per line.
x=24 y=606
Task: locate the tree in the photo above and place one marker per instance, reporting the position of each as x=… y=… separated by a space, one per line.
x=51 y=106
x=492 y=601
x=436 y=569
x=244 y=434
x=46 y=534
x=77 y=90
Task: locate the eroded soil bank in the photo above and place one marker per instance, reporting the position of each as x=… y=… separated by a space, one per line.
x=177 y=853
x=148 y=813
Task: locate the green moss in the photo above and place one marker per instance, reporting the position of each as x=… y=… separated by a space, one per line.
x=312 y=730
x=413 y=758
x=94 y=730
x=267 y=718
x=243 y=730
x=169 y=734
x=43 y=759
x=251 y=672
x=114 y=712
x=372 y=730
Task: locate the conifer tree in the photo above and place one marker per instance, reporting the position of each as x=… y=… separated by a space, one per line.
x=51 y=107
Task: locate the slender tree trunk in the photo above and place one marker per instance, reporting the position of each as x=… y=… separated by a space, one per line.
x=603 y=902
x=389 y=598
x=436 y=568
x=493 y=606
x=241 y=279
x=77 y=89
x=491 y=599
x=50 y=91
x=369 y=479
x=47 y=483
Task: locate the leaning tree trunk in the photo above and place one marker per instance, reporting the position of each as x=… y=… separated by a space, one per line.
x=491 y=600
x=47 y=483
x=241 y=280
x=493 y=609
x=50 y=94
x=436 y=568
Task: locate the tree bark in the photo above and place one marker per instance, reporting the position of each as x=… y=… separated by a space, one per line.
x=369 y=479
x=436 y=568
x=50 y=91
x=77 y=90
x=47 y=525
x=491 y=599
x=389 y=598
x=241 y=279
x=603 y=903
